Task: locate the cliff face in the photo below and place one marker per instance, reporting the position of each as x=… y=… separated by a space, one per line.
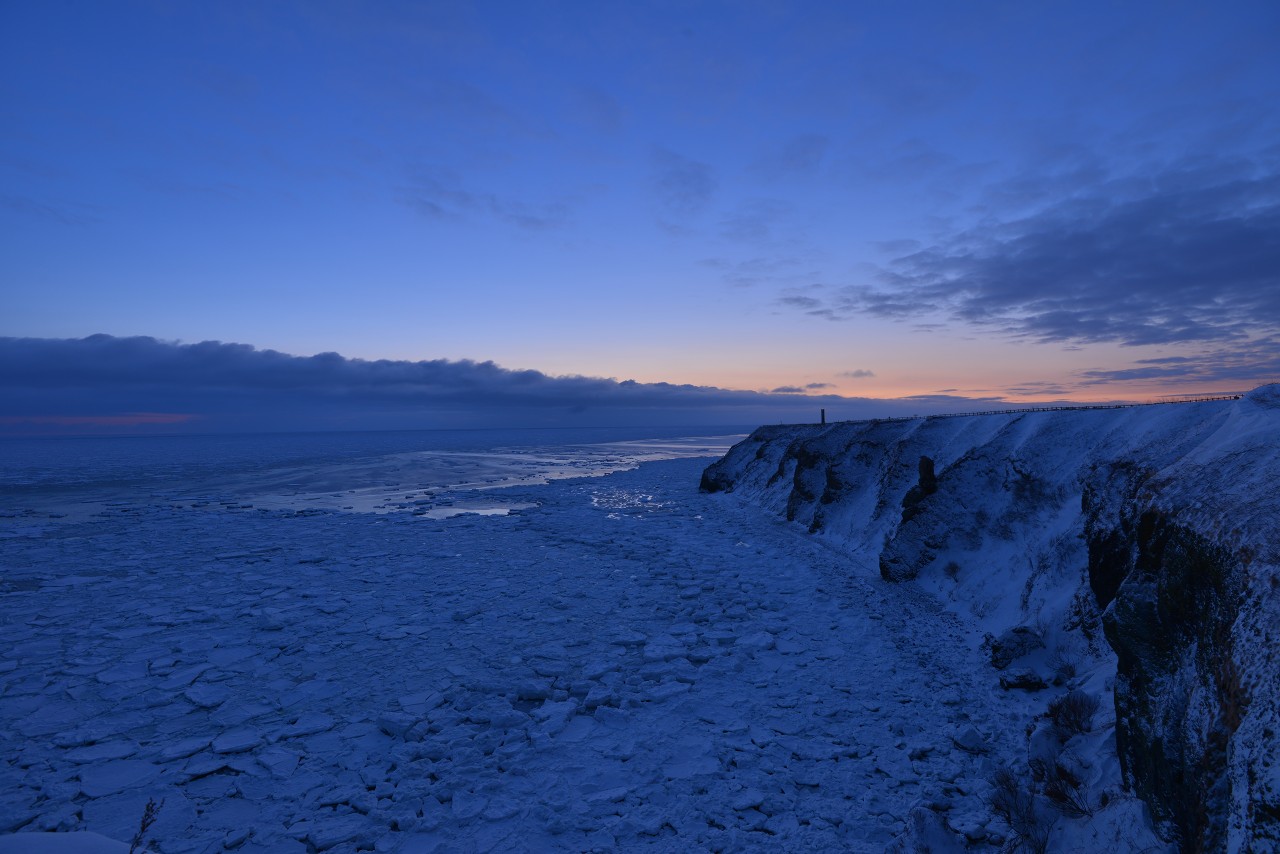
x=1142 y=540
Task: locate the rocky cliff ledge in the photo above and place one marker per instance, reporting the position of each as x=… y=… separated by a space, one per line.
x=1132 y=553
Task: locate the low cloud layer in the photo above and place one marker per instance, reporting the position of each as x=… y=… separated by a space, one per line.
x=105 y=382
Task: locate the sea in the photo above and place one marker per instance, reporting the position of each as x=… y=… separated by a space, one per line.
x=438 y=473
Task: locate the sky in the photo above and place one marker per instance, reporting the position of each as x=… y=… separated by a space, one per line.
x=907 y=202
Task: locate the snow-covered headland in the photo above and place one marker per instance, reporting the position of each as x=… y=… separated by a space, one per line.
x=1126 y=556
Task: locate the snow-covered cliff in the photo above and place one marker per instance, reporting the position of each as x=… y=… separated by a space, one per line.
x=1127 y=553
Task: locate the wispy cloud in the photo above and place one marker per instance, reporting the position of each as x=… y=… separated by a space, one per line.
x=599 y=109
x=440 y=194
x=61 y=214
x=1039 y=388
x=1247 y=363
x=754 y=222
x=684 y=186
x=800 y=155
x=800 y=389
x=858 y=374
x=762 y=270
x=1189 y=255
x=806 y=302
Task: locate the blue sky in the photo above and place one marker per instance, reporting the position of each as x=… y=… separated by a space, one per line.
x=1019 y=200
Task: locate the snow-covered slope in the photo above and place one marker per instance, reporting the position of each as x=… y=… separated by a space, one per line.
x=1130 y=549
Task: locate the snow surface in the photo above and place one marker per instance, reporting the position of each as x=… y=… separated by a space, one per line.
x=627 y=664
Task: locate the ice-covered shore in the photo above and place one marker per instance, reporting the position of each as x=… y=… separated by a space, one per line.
x=628 y=665
x=1127 y=549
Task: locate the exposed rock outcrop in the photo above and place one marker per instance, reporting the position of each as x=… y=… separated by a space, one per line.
x=1012 y=645
x=1184 y=612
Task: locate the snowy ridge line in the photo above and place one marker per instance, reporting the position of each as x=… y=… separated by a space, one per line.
x=1080 y=408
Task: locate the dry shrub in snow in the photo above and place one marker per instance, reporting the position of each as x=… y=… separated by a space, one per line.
x=1013 y=801
x=1073 y=712
x=1063 y=787
x=149 y=814
x=1064 y=663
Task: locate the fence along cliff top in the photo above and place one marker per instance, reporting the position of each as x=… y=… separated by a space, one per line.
x=1167 y=399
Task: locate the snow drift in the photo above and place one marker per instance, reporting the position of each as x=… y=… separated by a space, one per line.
x=1127 y=551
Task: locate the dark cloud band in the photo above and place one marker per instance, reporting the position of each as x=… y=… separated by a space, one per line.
x=212 y=385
